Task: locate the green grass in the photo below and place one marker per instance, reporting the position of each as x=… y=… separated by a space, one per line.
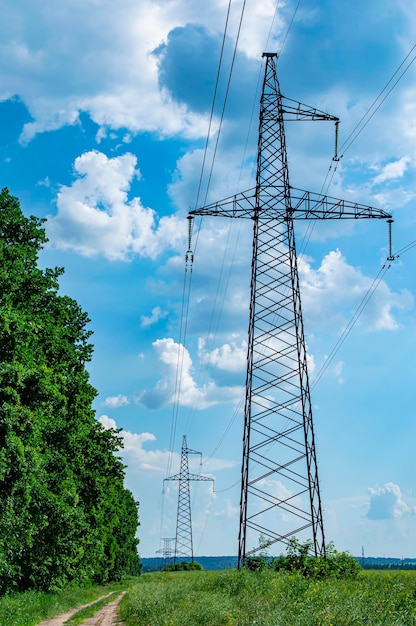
x=31 y=607
x=234 y=598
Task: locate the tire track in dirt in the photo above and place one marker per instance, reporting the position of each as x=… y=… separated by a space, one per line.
x=107 y=616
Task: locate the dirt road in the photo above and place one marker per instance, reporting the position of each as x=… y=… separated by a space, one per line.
x=107 y=616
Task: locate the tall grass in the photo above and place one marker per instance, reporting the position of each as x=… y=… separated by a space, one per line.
x=31 y=607
x=244 y=598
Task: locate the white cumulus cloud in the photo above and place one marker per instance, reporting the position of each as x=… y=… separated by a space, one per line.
x=116 y=401
x=155 y=460
x=173 y=357
x=336 y=286
x=231 y=357
x=393 y=170
x=65 y=58
x=143 y=459
x=95 y=215
x=387 y=502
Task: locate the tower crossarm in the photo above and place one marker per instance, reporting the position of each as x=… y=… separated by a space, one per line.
x=188 y=477
x=310 y=205
x=294 y=111
x=242 y=204
x=174 y=477
x=303 y=205
x=197 y=477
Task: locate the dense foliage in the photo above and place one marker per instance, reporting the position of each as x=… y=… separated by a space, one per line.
x=298 y=559
x=65 y=515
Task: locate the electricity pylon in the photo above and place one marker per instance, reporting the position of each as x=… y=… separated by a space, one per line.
x=166 y=551
x=183 y=540
x=280 y=495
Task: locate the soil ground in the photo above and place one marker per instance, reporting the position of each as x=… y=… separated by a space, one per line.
x=107 y=616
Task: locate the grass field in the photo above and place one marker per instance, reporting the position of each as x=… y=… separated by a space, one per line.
x=234 y=598
x=237 y=598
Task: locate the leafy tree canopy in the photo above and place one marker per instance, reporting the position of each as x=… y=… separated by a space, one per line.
x=65 y=515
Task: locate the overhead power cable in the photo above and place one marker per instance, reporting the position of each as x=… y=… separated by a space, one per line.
x=187 y=281
x=188 y=276
x=383 y=270
x=358 y=129
x=214 y=99
x=368 y=115
x=378 y=102
x=289 y=27
x=365 y=300
x=218 y=133
x=405 y=249
x=227 y=91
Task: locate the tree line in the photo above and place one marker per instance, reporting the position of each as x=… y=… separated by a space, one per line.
x=65 y=515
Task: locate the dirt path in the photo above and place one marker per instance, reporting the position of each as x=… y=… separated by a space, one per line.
x=107 y=616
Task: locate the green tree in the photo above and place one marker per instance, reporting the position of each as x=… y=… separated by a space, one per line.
x=65 y=515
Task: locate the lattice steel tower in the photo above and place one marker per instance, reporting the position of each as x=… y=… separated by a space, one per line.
x=183 y=540
x=280 y=495
x=167 y=551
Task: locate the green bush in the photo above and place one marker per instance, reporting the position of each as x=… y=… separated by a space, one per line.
x=298 y=559
x=256 y=563
x=183 y=566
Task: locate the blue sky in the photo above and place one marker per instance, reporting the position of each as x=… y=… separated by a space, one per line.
x=104 y=114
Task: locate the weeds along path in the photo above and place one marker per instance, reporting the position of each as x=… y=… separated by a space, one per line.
x=107 y=616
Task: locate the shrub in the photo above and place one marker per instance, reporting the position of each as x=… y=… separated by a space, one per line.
x=298 y=559
x=183 y=566
x=256 y=563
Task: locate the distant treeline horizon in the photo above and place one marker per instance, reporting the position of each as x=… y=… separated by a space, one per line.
x=151 y=564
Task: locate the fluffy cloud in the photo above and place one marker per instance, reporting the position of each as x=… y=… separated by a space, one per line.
x=95 y=215
x=156 y=315
x=174 y=358
x=155 y=460
x=393 y=170
x=97 y=57
x=230 y=356
x=336 y=285
x=116 y=401
x=387 y=502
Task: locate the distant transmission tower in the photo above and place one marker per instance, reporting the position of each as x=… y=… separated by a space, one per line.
x=166 y=551
x=280 y=495
x=183 y=540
